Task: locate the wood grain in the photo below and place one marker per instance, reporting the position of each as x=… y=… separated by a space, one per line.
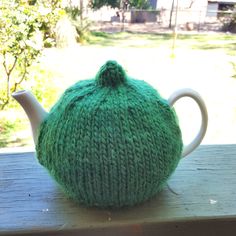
x=202 y=200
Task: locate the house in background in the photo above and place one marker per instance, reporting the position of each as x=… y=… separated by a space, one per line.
x=189 y=11
x=214 y=6
x=153 y=4
x=193 y=11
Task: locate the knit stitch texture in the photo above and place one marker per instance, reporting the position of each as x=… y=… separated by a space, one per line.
x=111 y=141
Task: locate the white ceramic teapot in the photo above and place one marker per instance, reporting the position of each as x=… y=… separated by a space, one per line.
x=111 y=141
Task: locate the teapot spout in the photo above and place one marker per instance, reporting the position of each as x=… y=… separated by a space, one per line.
x=33 y=109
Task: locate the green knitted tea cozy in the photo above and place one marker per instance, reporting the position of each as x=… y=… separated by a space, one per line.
x=111 y=141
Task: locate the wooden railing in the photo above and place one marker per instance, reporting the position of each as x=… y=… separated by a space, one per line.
x=200 y=200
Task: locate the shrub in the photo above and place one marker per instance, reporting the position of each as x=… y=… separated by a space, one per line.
x=24 y=29
x=80 y=23
x=44 y=86
x=229 y=24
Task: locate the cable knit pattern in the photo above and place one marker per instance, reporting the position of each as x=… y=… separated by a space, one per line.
x=111 y=141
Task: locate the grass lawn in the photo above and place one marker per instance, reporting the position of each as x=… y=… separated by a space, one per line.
x=190 y=41
x=204 y=62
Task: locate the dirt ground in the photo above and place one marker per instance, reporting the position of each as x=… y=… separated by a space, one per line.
x=155 y=27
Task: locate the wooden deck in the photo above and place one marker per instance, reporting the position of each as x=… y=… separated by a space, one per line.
x=202 y=201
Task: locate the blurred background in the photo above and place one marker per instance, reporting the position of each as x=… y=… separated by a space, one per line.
x=48 y=45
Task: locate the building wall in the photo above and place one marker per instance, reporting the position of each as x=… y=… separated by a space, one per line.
x=188 y=11
x=212 y=9
x=183 y=4
x=153 y=4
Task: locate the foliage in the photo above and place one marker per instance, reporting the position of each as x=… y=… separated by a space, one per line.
x=225 y=42
x=15 y=129
x=230 y=24
x=234 y=69
x=6 y=130
x=9 y=129
x=123 y=4
x=81 y=24
x=97 y=4
x=44 y=86
x=82 y=29
x=24 y=29
x=44 y=82
x=140 y=4
x=73 y=11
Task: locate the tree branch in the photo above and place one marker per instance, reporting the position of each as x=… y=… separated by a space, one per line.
x=16 y=84
x=13 y=66
x=8 y=74
x=4 y=63
x=191 y=4
x=5 y=102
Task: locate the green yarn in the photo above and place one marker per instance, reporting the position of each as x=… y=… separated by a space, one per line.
x=111 y=74
x=111 y=141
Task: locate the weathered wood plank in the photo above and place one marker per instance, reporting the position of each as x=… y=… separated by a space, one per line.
x=204 y=201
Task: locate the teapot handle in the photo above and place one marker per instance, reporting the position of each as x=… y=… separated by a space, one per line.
x=194 y=95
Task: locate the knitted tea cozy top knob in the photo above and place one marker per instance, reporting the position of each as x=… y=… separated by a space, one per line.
x=110 y=141
x=111 y=74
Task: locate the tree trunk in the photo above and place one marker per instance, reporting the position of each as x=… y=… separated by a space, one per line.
x=171 y=13
x=81 y=6
x=122 y=8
